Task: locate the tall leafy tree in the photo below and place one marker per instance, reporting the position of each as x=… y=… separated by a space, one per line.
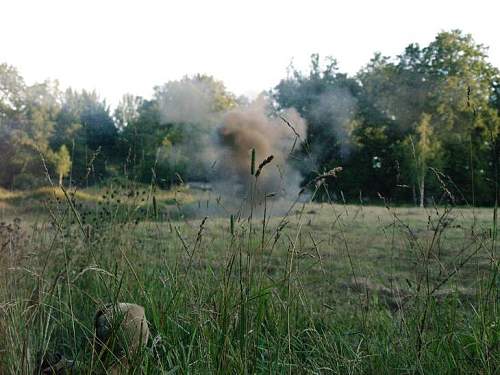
x=62 y=162
x=425 y=149
x=465 y=123
x=85 y=126
x=27 y=117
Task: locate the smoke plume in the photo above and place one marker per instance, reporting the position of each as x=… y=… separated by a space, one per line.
x=250 y=127
x=188 y=101
x=334 y=111
x=216 y=142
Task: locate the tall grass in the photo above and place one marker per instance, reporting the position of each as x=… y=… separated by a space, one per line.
x=322 y=288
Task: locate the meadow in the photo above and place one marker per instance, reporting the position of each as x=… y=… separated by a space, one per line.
x=269 y=286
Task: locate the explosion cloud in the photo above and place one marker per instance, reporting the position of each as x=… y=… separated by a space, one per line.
x=251 y=127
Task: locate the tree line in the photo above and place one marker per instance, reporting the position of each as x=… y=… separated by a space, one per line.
x=418 y=127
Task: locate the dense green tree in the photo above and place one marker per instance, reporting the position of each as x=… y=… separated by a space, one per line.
x=27 y=117
x=85 y=126
x=127 y=110
x=465 y=123
x=12 y=88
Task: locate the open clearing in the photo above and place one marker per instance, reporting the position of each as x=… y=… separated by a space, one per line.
x=319 y=288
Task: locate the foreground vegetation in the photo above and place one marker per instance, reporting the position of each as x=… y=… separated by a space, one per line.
x=275 y=287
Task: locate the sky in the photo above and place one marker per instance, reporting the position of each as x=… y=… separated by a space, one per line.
x=118 y=47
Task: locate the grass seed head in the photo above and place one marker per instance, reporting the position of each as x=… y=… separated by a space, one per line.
x=265 y=162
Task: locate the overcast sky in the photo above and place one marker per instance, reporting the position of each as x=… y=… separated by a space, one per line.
x=124 y=46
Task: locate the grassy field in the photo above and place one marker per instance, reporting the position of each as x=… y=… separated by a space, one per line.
x=275 y=287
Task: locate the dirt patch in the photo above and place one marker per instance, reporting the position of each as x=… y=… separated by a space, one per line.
x=396 y=297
